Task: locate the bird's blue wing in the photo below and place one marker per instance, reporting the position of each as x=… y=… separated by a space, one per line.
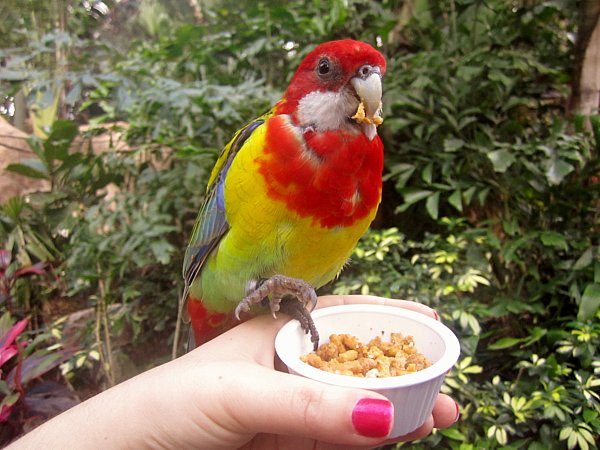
x=211 y=224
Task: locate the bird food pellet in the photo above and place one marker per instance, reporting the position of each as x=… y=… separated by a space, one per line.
x=344 y=354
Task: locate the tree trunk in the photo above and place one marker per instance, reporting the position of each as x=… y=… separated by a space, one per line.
x=198 y=16
x=585 y=96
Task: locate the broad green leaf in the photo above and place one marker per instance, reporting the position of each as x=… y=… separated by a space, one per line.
x=468 y=194
x=468 y=72
x=501 y=160
x=31 y=168
x=74 y=94
x=432 y=205
x=584 y=260
x=557 y=170
x=402 y=173
x=565 y=433
x=60 y=138
x=412 y=196
x=452 y=144
x=505 y=342
x=590 y=302
x=553 y=239
x=455 y=200
x=10 y=400
x=453 y=433
x=427 y=173
x=496 y=75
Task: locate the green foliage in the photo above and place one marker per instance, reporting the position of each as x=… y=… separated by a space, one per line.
x=508 y=187
x=495 y=223
x=22 y=362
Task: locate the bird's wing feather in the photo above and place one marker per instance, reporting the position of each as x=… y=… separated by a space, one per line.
x=211 y=223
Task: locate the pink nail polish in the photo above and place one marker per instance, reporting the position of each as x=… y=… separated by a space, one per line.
x=457 y=412
x=437 y=316
x=373 y=417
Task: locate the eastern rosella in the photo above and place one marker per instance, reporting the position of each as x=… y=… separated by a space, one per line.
x=291 y=193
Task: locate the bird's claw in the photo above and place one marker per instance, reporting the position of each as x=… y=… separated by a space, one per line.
x=297 y=297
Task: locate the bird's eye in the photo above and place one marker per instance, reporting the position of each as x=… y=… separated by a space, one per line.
x=323 y=67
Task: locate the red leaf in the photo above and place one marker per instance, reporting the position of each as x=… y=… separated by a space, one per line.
x=7 y=353
x=36 y=269
x=37 y=365
x=12 y=334
x=5 y=258
x=5 y=413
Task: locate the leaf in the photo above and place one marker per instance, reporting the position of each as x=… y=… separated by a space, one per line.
x=505 y=342
x=453 y=433
x=162 y=250
x=496 y=75
x=13 y=333
x=452 y=144
x=59 y=140
x=402 y=173
x=32 y=168
x=590 y=302
x=414 y=195
x=584 y=260
x=565 y=433
x=557 y=170
x=468 y=72
x=553 y=239
x=36 y=269
x=10 y=400
x=468 y=194
x=37 y=365
x=5 y=258
x=432 y=205
x=501 y=159
x=455 y=200
x=74 y=94
x=427 y=173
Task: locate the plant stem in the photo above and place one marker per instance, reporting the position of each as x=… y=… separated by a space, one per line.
x=102 y=321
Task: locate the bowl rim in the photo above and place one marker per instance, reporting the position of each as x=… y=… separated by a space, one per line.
x=433 y=372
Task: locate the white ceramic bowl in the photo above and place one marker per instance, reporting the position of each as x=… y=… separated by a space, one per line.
x=414 y=394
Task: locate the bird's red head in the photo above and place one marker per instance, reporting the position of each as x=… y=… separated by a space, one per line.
x=330 y=83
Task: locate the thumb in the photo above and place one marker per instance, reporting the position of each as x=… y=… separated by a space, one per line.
x=268 y=401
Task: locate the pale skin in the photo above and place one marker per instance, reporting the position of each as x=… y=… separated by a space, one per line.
x=226 y=394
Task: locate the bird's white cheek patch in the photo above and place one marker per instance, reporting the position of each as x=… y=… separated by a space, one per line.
x=326 y=110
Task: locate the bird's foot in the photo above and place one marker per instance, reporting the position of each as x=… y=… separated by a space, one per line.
x=293 y=307
x=290 y=296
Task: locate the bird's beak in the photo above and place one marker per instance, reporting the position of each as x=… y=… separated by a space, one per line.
x=368 y=88
x=367 y=85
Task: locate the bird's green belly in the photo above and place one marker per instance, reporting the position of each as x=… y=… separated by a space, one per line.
x=301 y=250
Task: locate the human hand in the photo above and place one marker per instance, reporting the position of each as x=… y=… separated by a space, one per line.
x=227 y=395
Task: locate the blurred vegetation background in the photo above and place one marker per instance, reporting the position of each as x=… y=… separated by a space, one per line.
x=114 y=112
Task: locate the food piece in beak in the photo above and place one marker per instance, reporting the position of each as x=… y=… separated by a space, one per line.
x=360 y=116
x=369 y=90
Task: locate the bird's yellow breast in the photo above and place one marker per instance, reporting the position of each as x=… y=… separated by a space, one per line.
x=270 y=234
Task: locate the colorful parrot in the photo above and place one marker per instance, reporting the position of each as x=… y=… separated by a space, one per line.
x=290 y=195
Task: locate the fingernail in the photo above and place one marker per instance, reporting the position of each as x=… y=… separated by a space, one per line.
x=373 y=417
x=437 y=316
x=457 y=412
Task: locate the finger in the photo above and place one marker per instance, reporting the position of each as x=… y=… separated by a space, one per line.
x=445 y=411
x=288 y=405
x=333 y=300
x=421 y=432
